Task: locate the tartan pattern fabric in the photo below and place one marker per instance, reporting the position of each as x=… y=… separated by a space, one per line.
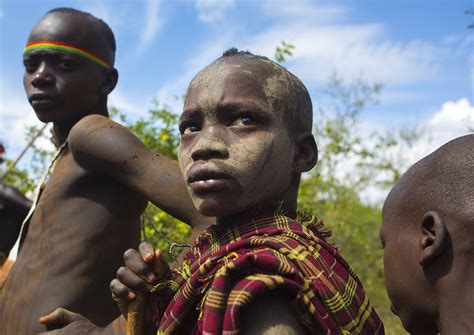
x=231 y=265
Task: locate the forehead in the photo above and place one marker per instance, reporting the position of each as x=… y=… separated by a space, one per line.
x=237 y=79
x=77 y=30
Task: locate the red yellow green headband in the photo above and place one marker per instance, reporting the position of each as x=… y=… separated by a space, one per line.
x=65 y=47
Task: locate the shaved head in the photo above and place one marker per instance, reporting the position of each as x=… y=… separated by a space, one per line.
x=442 y=181
x=284 y=91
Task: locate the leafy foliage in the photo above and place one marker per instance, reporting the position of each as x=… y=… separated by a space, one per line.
x=350 y=165
x=284 y=51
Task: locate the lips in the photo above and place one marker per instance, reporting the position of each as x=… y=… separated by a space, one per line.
x=42 y=100
x=207 y=178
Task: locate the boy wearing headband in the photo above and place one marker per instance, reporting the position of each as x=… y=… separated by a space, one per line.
x=88 y=207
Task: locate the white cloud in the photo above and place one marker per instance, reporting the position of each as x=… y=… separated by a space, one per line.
x=153 y=23
x=213 y=10
x=2 y=13
x=16 y=116
x=326 y=41
x=452 y=120
x=304 y=10
x=118 y=100
x=170 y=93
x=351 y=50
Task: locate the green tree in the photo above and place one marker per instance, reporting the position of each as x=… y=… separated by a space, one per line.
x=350 y=166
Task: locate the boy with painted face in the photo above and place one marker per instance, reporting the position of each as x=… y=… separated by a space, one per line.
x=88 y=210
x=428 y=238
x=263 y=269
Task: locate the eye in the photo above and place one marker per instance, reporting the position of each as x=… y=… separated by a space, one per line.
x=244 y=119
x=187 y=128
x=30 y=65
x=66 y=64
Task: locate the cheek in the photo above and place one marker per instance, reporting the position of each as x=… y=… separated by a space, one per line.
x=264 y=165
x=248 y=158
x=184 y=156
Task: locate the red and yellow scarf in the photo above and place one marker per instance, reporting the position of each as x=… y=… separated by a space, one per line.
x=231 y=265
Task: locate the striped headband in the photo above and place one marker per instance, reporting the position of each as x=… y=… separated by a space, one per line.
x=65 y=47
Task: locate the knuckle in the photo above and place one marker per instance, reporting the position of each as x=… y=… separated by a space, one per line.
x=113 y=284
x=128 y=254
x=121 y=272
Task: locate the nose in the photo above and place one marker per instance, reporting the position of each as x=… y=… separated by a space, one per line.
x=43 y=77
x=209 y=146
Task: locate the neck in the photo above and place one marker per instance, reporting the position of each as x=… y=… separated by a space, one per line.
x=457 y=303
x=62 y=129
x=61 y=132
x=260 y=211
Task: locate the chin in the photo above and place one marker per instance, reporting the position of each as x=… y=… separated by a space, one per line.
x=45 y=116
x=418 y=325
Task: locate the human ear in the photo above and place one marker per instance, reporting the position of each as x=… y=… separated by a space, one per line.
x=434 y=237
x=111 y=78
x=306 y=153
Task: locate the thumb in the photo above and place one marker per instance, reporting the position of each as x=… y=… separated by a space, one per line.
x=60 y=317
x=160 y=266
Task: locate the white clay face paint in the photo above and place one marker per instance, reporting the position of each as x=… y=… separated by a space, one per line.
x=261 y=162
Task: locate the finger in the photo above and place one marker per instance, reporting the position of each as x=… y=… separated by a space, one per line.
x=160 y=265
x=132 y=281
x=121 y=293
x=59 y=316
x=147 y=252
x=135 y=262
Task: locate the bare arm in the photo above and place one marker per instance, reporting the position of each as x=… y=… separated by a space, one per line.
x=100 y=144
x=64 y=322
x=271 y=315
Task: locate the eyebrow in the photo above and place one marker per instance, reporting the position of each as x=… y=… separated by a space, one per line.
x=190 y=114
x=239 y=106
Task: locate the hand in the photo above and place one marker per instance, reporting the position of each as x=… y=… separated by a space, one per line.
x=12 y=199
x=142 y=271
x=62 y=321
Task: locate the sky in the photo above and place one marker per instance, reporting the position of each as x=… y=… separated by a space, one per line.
x=422 y=53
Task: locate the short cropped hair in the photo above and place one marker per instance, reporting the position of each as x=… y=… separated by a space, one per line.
x=103 y=27
x=292 y=94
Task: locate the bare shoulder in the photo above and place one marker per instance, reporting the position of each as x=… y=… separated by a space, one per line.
x=271 y=315
x=96 y=142
x=93 y=127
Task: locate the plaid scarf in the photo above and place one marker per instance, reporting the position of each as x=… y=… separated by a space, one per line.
x=231 y=265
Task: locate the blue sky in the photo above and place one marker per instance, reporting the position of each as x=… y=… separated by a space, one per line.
x=421 y=51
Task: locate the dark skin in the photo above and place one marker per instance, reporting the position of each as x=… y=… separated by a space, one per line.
x=236 y=151
x=428 y=238
x=89 y=211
